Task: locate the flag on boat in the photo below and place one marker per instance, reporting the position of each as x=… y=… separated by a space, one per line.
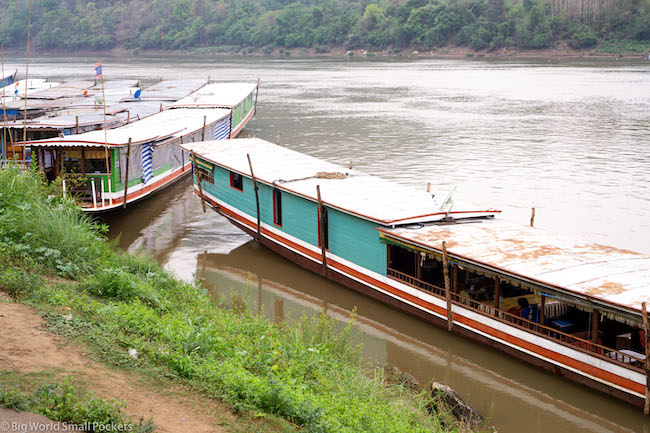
x=147 y=163
x=222 y=129
x=98 y=69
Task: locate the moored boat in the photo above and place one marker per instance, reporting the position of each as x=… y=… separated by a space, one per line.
x=141 y=157
x=8 y=80
x=570 y=307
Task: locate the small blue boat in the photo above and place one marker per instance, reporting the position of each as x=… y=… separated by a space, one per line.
x=9 y=80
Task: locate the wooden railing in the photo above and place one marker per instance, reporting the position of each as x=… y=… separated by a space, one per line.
x=606 y=353
x=427 y=287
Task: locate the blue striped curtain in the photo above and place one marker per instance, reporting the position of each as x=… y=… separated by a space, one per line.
x=222 y=129
x=147 y=163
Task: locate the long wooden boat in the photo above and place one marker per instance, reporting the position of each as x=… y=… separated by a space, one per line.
x=8 y=80
x=567 y=306
x=143 y=157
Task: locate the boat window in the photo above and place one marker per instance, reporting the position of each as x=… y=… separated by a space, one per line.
x=277 y=207
x=206 y=175
x=325 y=220
x=237 y=181
x=403 y=260
x=72 y=161
x=95 y=166
x=96 y=161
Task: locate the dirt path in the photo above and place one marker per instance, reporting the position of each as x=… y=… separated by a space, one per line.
x=26 y=347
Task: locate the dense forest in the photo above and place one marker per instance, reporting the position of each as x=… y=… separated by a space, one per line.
x=264 y=25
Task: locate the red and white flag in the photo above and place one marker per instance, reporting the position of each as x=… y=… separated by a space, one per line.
x=98 y=69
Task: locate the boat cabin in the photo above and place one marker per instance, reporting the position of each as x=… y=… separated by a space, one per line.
x=102 y=168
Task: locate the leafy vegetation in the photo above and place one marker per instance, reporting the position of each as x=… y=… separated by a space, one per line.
x=264 y=25
x=304 y=371
x=66 y=402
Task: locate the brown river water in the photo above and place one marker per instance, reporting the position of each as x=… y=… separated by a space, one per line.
x=570 y=138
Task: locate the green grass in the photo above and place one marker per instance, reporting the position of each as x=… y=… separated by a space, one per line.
x=624 y=47
x=65 y=401
x=304 y=372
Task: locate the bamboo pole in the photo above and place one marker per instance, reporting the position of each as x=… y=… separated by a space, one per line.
x=257 y=197
x=257 y=92
x=445 y=269
x=4 y=109
x=126 y=178
x=108 y=169
x=646 y=328
x=29 y=36
x=198 y=180
x=321 y=230
x=205 y=119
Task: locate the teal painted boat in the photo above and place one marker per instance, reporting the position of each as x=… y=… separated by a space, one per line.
x=565 y=305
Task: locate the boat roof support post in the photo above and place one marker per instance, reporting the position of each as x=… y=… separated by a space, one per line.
x=257 y=92
x=257 y=197
x=646 y=328
x=445 y=270
x=321 y=228
x=126 y=175
x=198 y=180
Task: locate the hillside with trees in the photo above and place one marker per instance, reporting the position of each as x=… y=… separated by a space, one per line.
x=617 y=26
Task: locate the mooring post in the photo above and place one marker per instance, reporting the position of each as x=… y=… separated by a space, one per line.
x=646 y=328
x=126 y=178
x=428 y=186
x=205 y=119
x=76 y=128
x=532 y=217
x=445 y=268
x=321 y=230
x=279 y=135
x=198 y=180
x=257 y=197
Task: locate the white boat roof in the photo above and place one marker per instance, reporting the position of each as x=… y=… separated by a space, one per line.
x=163 y=125
x=168 y=90
x=612 y=275
x=65 y=90
x=32 y=84
x=368 y=197
x=217 y=95
x=68 y=121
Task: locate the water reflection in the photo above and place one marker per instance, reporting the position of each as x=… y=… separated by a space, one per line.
x=253 y=277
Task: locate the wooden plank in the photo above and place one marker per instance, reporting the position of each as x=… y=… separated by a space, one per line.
x=126 y=176
x=321 y=227
x=646 y=328
x=257 y=197
x=445 y=269
x=198 y=180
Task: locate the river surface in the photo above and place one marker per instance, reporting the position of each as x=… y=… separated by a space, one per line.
x=570 y=138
